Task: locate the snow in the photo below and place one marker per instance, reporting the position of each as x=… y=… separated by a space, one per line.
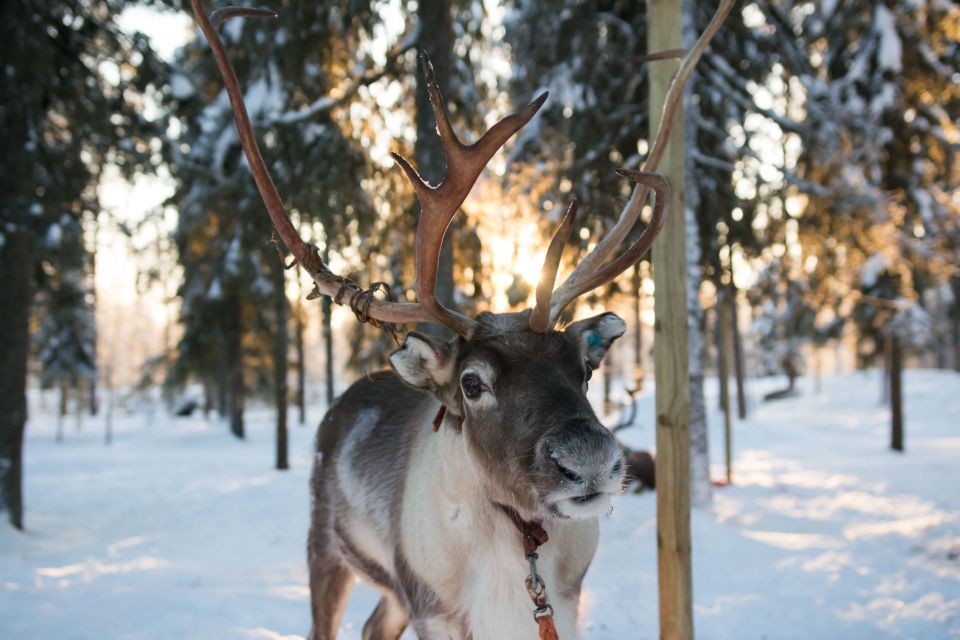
x=54 y=236
x=215 y=292
x=925 y=205
x=891 y=49
x=871 y=270
x=827 y=7
x=179 y=531
x=181 y=87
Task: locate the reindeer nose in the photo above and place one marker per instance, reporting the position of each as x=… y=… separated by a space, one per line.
x=587 y=456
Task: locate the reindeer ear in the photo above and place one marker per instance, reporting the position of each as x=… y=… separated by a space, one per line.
x=595 y=335
x=424 y=362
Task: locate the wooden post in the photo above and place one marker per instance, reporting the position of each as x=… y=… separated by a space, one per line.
x=670 y=349
x=723 y=315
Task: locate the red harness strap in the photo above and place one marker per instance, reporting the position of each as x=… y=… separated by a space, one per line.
x=438 y=420
x=534 y=535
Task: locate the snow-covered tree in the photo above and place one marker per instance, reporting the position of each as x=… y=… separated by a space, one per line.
x=71 y=101
x=876 y=85
x=66 y=340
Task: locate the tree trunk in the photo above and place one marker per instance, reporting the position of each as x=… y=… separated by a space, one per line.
x=723 y=345
x=607 y=382
x=940 y=316
x=234 y=366
x=672 y=361
x=280 y=363
x=896 y=394
x=62 y=410
x=108 y=422
x=223 y=383
x=237 y=391
x=817 y=369
x=638 y=373
x=92 y=403
x=955 y=322
x=207 y=398
x=887 y=372
x=737 y=352
x=701 y=489
x=16 y=265
x=327 y=328
x=301 y=395
x=77 y=385
x=434 y=17
x=327 y=309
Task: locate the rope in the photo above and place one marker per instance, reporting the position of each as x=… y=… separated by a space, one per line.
x=361 y=300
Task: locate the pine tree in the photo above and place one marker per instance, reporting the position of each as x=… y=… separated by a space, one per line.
x=71 y=101
x=877 y=86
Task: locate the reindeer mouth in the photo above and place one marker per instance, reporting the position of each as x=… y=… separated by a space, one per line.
x=587 y=505
x=584 y=499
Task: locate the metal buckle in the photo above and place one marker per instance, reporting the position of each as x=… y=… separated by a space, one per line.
x=546 y=611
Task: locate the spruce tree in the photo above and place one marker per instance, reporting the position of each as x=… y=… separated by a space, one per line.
x=71 y=101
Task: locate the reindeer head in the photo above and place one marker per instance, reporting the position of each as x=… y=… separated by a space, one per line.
x=519 y=399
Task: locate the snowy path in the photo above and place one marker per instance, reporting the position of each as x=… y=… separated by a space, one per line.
x=179 y=532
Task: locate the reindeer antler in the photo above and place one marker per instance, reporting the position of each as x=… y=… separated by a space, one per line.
x=594 y=270
x=438 y=204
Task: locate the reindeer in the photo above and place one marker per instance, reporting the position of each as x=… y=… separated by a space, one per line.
x=451 y=523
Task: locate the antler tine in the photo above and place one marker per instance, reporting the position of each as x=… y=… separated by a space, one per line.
x=540 y=316
x=438 y=205
x=593 y=263
x=219 y=16
x=628 y=258
x=328 y=283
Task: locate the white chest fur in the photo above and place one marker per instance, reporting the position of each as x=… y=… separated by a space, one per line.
x=471 y=554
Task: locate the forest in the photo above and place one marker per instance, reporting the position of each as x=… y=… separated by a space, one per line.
x=785 y=389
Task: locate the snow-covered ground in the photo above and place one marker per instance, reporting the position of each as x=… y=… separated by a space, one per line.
x=178 y=531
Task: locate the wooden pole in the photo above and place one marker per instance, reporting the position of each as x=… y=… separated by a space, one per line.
x=670 y=349
x=723 y=314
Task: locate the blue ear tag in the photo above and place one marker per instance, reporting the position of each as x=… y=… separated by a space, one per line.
x=594 y=340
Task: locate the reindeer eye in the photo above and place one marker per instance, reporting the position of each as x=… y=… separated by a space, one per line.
x=472 y=386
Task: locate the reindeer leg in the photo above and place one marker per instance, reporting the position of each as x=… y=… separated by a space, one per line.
x=330 y=584
x=330 y=577
x=388 y=620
